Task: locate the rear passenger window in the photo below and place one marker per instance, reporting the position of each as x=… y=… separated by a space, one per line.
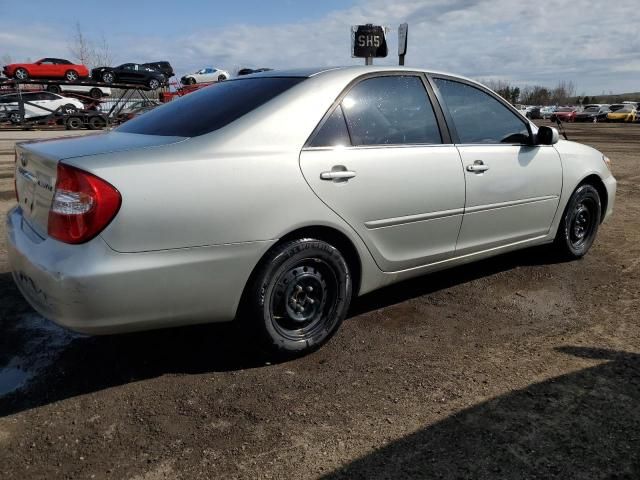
x=333 y=132
x=390 y=110
x=480 y=118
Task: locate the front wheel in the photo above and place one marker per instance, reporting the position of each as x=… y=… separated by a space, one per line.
x=580 y=222
x=154 y=84
x=299 y=296
x=21 y=74
x=108 y=77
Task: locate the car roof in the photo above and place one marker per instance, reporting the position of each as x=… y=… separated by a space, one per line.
x=353 y=71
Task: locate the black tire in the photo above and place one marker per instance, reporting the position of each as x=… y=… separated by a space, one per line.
x=69 y=108
x=579 y=224
x=21 y=74
x=191 y=81
x=71 y=75
x=298 y=297
x=15 y=118
x=97 y=123
x=95 y=93
x=222 y=78
x=108 y=77
x=74 y=123
x=54 y=89
x=154 y=84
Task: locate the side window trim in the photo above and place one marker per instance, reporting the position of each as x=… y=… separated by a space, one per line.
x=445 y=136
x=447 y=115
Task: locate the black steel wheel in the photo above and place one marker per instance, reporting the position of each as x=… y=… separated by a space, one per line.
x=108 y=77
x=97 y=122
x=580 y=222
x=74 y=123
x=21 y=74
x=71 y=75
x=54 y=89
x=299 y=296
x=95 y=93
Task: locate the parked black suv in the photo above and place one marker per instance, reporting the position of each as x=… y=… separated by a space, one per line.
x=164 y=67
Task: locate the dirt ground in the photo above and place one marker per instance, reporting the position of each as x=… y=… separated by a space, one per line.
x=516 y=367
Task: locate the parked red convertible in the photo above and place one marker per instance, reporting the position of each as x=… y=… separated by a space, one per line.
x=53 y=68
x=564 y=114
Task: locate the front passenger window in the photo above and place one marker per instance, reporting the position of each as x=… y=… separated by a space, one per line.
x=480 y=118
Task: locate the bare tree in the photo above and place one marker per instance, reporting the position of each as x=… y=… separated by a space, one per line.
x=88 y=52
x=6 y=59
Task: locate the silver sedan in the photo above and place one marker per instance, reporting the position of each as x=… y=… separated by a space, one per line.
x=277 y=198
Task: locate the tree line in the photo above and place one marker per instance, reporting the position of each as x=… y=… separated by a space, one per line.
x=563 y=93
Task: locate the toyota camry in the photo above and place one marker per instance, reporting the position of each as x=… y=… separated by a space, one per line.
x=277 y=198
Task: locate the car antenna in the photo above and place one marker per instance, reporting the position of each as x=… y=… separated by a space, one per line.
x=561 y=128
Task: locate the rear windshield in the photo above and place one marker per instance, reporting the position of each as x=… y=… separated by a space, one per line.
x=210 y=108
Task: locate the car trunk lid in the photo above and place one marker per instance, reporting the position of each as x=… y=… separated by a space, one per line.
x=37 y=164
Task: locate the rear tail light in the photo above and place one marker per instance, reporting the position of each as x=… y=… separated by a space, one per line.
x=82 y=206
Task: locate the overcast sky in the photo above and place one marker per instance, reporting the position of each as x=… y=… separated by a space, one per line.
x=596 y=44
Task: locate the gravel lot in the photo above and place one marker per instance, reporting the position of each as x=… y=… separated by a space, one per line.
x=515 y=367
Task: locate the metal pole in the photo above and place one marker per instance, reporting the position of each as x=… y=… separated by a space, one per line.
x=368 y=61
x=401 y=59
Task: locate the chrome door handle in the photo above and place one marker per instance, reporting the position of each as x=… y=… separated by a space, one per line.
x=477 y=167
x=339 y=173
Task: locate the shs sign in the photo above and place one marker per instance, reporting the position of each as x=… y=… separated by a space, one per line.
x=368 y=41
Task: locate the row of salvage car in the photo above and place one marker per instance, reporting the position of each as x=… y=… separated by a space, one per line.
x=618 y=112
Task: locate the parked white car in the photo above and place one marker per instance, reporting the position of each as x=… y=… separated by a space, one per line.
x=93 y=92
x=205 y=75
x=40 y=104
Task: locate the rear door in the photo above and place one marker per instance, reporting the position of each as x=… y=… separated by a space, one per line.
x=512 y=186
x=380 y=161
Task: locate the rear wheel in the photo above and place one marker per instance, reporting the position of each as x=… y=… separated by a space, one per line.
x=154 y=84
x=299 y=296
x=71 y=75
x=97 y=123
x=95 y=93
x=221 y=78
x=54 y=89
x=21 y=74
x=580 y=221
x=108 y=77
x=74 y=123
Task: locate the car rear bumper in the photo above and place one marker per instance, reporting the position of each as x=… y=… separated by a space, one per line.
x=93 y=289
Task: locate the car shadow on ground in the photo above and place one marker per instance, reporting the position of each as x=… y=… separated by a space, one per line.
x=77 y=365
x=582 y=425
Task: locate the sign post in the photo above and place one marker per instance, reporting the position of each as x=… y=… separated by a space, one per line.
x=403 y=33
x=368 y=41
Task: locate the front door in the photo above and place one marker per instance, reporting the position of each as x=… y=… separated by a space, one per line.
x=378 y=161
x=512 y=187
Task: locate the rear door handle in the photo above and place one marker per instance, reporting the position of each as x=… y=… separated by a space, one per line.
x=477 y=167
x=339 y=173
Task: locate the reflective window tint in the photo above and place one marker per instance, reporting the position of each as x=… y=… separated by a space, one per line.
x=334 y=131
x=480 y=118
x=390 y=110
x=210 y=108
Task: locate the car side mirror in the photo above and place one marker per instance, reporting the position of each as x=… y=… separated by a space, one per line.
x=547 y=136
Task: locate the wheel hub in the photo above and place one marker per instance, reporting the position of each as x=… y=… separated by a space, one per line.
x=304 y=295
x=581 y=223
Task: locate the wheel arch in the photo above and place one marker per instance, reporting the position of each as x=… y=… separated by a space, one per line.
x=597 y=183
x=330 y=235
